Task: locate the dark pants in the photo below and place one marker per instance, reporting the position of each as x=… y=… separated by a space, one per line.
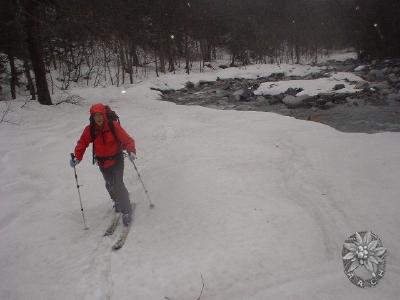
x=114 y=177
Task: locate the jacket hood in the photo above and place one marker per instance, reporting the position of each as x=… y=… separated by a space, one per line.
x=98 y=108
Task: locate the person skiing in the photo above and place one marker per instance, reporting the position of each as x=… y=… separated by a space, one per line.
x=109 y=140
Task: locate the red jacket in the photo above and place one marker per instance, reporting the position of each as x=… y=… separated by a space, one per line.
x=105 y=144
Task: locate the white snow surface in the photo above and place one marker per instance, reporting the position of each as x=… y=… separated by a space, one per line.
x=311 y=87
x=257 y=204
x=178 y=81
x=339 y=56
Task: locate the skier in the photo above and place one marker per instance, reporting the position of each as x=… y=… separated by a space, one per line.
x=109 y=140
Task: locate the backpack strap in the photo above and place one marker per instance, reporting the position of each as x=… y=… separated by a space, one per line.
x=112 y=129
x=111 y=117
x=93 y=137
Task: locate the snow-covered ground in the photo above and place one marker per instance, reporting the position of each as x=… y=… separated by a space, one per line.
x=256 y=204
x=177 y=81
x=338 y=55
x=311 y=87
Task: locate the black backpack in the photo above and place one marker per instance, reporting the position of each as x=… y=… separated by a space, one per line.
x=111 y=117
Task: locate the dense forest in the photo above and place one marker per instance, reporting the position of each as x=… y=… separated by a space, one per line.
x=89 y=40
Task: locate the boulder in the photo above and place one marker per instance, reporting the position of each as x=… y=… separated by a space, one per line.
x=394 y=96
x=329 y=104
x=203 y=82
x=260 y=99
x=220 y=93
x=360 y=68
x=392 y=78
x=293 y=101
x=189 y=85
x=308 y=77
x=379 y=86
x=293 y=91
x=274 y=100
x=306 y=99
x=353 y=101
x=339 y=87
x=242 y=95
x=376 y=75
x=338 y=98
x=222 y=102
x=385 y=92
x=276 y=76
x=362 y=85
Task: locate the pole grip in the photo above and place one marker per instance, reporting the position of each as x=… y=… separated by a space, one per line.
x=72 y=156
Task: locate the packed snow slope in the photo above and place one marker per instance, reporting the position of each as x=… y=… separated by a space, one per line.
x=256 y=204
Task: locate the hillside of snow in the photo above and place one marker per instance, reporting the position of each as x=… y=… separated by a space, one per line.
x=253 y=205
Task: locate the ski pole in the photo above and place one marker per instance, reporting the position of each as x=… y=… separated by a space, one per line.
x=79 y=194
x=144 y=187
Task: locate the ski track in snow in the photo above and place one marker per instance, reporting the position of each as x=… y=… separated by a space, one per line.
x=97 y=274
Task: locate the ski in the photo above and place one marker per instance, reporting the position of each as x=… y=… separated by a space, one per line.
x=122 y=238
x=110 y=230
x=125 y=230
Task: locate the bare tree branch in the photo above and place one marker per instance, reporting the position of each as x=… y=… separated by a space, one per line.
x=5 y=112
x=26 y=102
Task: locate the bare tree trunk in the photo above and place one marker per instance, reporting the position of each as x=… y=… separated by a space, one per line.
x=156 y=62
x=107 y=66
x=214 y=52
x=123 y=61
x=205 y=47
x=233 y=59
x=171 y=61
x=130 y=68
x=117 y=70
x=171 y=56
x=133 y=54
x=297 y=50
x=52 y=84
x=53 y=59
x=161 y=55
x=128 y=61
x=28 y=76
x=13 y=80
x=36 y=52
x=109 y=73
x=105 y=63
x=97 y=78
x=162 y=61
x=187 y=55
x=208 y=52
